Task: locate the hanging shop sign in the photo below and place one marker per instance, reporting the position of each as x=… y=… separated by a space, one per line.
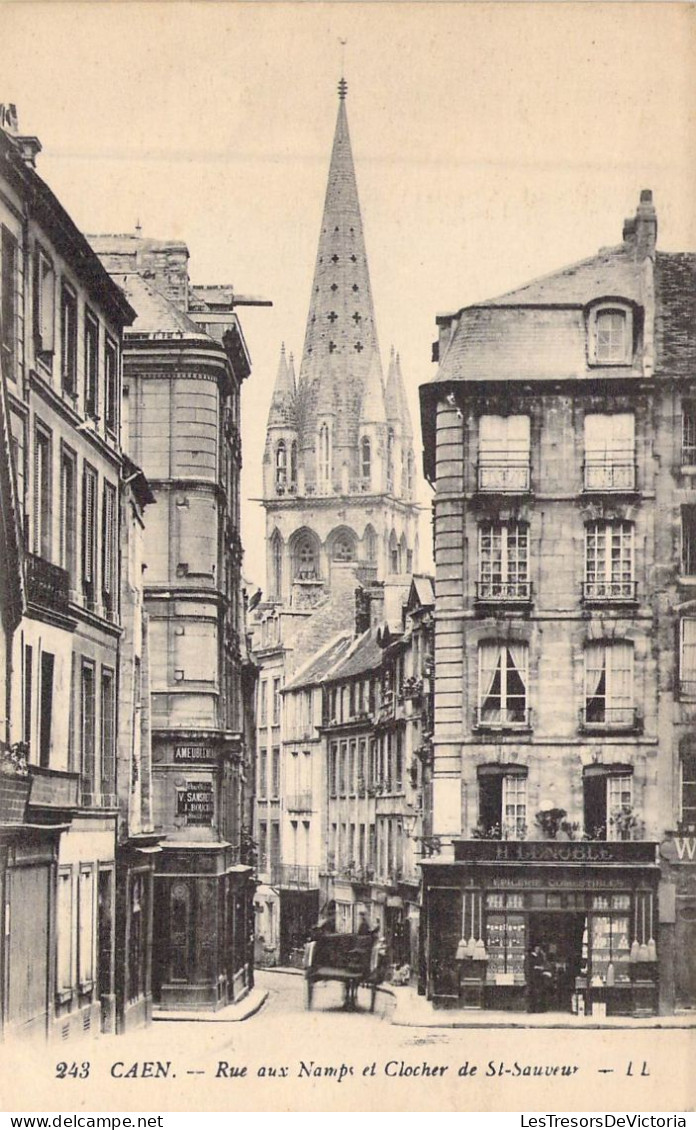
x=196 y=802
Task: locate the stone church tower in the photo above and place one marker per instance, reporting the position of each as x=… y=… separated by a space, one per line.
x=339 y=464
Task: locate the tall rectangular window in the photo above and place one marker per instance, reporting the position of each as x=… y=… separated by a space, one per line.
x=503 y=561
x=263 y=702
x=85 y=909
x=87 y=728
x=91 y=364
x=275 y=772
x=64 y=931
x=688 y=436
x=89 y=530
x=108 y=744
x=333 y=769
x=263 y=773
x=28 y=702
x=609 y=696
x=43 y=479
x=610 y=451
x=276 y=702
x=502 y=684
x=111 y=386
x=687 y=656
x=688 y=537
x=46 y=719
x=609 y=561
x=68 y=333
x=504 y=453
x=68 y=508
x=9 y=290
x=688 y=794
x=44 y=304
x=263 y=846
x=109 y=554
x=502 y=802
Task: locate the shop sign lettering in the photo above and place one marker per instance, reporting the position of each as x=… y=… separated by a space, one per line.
x=194 y=753
x=679 y=849
x=530 y=851
x=195 y=802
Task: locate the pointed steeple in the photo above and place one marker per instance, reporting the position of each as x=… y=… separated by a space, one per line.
x=397 y=404
x=341 y=339
x=282 y=410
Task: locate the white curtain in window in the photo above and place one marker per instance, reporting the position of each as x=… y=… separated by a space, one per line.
x=687 y=667
x=610 y=435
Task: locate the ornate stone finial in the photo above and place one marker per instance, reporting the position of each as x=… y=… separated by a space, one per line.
x=342 y=89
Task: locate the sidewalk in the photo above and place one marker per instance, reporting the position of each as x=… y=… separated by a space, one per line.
x=241 y=1010
x=412 y=1011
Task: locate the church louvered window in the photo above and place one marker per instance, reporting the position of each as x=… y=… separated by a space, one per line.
x=281 y=466
x=324 y=462
x=365 y=459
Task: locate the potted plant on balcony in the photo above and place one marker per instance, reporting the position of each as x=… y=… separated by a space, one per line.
x=625 y=824
x=549 y=821
x=15 y=782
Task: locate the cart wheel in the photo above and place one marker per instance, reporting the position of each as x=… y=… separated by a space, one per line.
x=309 y=990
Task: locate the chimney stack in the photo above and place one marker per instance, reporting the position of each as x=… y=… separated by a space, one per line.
x=640 y=231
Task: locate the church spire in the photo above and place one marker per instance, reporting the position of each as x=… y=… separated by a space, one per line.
x=282 y=410
x=397 y=403
x=340 y=344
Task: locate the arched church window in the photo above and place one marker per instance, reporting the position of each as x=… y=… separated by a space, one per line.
x=343 y=548
x=324 y=468
x=281 y=465
x=293 y=463
x=390 y=459
x=393 y=554
x=370 y=544
x=305 y=559
x=365 y=458
x=410 y=472
x=277 y=564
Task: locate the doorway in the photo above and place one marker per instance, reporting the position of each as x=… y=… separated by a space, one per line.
x=558 y=937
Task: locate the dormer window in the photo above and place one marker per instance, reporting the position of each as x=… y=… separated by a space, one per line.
x=611 y=335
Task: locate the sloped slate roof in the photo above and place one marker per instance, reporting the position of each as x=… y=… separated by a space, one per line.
x=155 y=313
x=675 y=302
x=320 y=664
x=613 y=271
x=364 y=655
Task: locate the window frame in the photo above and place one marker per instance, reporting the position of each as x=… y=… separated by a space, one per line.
x=612 y=699
x=9 y=300
x=596 y=359
x=68 y=339
x=111 y=381
x=512 y=558
x=91 y=364
x=506 y=695
x=601 y=584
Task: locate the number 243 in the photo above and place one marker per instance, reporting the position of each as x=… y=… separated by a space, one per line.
x=72 y=1070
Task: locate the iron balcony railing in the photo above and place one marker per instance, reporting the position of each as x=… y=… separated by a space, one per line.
x=299 y=802
x=297 y=875
x=603 y=592
x=610 y=474
x=48 y=586
x=503 y=592
x=598 y=716
x=504 y=476
x=504 y=718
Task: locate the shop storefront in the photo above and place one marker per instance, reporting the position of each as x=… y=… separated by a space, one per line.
x=537 y=926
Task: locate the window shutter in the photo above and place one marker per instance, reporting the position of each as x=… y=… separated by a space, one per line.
x=108 y=540
x=88 y=530
x=688 y=651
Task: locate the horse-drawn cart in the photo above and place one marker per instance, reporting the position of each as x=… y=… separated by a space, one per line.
x=352 y=959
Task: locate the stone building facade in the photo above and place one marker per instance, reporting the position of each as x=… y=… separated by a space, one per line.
x=562 y=755
x=61 y=321
x=185 y=359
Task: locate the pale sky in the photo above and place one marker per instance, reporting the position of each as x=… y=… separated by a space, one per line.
x=493 y=143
